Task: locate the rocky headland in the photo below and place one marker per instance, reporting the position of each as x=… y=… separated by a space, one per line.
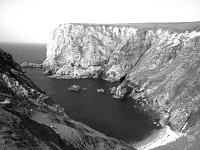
x=158 y=62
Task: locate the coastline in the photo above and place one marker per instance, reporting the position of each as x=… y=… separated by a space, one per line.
x=158 y=138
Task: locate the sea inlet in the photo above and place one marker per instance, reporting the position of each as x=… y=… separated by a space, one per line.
x=117 y=118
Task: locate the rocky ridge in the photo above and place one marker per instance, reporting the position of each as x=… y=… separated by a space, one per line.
x=160 y=62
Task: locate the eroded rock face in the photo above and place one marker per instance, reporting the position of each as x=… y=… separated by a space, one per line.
x=29 y=119
x=168 y=76
x=82 y=51
x=160 y=62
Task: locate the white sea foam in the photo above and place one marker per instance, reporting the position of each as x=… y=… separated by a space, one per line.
x=164 y=137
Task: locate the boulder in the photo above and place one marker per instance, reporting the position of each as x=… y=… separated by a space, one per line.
x=75 y=88
x=100 y=90
x=48 y=72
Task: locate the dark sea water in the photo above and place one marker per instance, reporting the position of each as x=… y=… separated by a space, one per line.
x=113 y=117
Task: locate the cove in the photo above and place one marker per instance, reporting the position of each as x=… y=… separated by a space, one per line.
x=114 y=117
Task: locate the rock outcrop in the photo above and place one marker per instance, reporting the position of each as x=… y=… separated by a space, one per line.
x=100 y=90
x=82 y=51
x=29 y=119
x=160 y=62
x=31 y=65
x=75 y=88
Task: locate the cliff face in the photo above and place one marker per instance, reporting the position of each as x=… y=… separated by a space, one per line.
x=160 y=62
x=81 y=51
x=168 y=76
x=29 y=119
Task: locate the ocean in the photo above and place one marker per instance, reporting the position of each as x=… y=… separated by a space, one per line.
x=117 y=118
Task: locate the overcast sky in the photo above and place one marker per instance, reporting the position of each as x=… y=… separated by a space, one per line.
x=33 y=20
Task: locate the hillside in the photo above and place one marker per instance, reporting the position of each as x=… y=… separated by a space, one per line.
x=29 y=119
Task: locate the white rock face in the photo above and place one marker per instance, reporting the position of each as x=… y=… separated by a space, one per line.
x=107 y=51
x=79 y=51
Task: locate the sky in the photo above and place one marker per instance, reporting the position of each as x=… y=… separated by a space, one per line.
x=32 y=21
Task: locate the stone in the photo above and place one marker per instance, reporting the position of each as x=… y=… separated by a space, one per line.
x=83 y=89
x=112 y=90
x=119 y=93
x=48 y=72
x=75 y=88
x=100 y=90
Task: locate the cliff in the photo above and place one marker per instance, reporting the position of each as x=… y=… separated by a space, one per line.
x=29 y=119
x=160 y=62
x=108 y=51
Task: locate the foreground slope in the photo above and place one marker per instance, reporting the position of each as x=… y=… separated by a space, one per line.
x=29 y=119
